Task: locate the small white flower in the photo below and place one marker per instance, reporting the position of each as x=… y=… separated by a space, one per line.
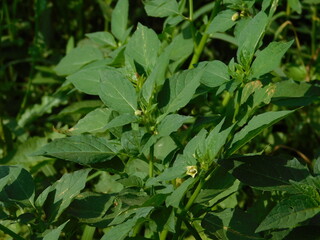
x=192 y=171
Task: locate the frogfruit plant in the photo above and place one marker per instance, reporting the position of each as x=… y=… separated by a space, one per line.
x=165 y=154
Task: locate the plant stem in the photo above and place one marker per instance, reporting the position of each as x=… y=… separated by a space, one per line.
x=88 y=233
x=194 y=195
x=10 y=233
x=163 y=234
x=192 y=230
x=94 y=175
x=191 y=10
x=313 y=30
x=151 y=158
x=199 y=48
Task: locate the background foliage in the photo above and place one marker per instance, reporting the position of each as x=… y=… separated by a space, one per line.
x=159 y=119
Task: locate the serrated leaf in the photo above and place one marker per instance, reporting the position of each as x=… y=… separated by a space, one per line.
x=222 y=22
x=289 y=212
x=117 y=92
x=269 y=58
x=143 y=47
x=102 y=38
x=119 y=19
x=161 y=8
x=254 y=127
x=171 y=123
x=249 y=37
x=94 y=121
x=55 y=233
x=77 y=58
x=83 y=149
x=214 y=74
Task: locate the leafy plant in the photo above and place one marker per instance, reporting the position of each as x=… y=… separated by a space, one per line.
x=165 y=149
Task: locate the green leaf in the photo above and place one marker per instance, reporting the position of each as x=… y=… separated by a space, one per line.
x=181 y=89
x=120 y=231
x=295 y=6
x=77 y=58
x=83 y=149
x=102 y=38
x=19 y=185
x=86 y=80
x=161 y=8
x=289 y=212
x=91 y=207
x=117 y=92
x=55 y=233
x=119 y=19
x=156 y=77
x=222 y=22
x=82 y=107
x=175 y=198
x=249 y=37
x=59 y=196
x=215 y=74
x=269 y=58
x=143 y=47
x=231 y=224
x=254 y=127
x=93 y=122
x=267 y=173
x=120 y=120
x=171 y=123
x=4 y=176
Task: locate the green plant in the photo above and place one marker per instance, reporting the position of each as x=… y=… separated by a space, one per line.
x=165 y=147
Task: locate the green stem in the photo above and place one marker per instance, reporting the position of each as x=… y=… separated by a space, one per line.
x=194 y=195
x=10 y=233
x=199 y=48
x=192 y=230
x=151 y=159
x=94 y=175
x=88 y=233
x=191 y=10
x=163 y=234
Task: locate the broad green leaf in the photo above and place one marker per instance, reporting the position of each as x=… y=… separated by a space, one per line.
x=77 y=58
x=214 y=74
x=222 y=22
x=83 y=149
x=108 y=183
x=59 y=196
x=267 y=173
x=120 y=120
x=131 y=141
x=231 y=224
x=143 y=47
x=55 y=233
x=171 y=123
x=137 y=167
x=119 y=20
x=269 y=58
x=164 y=147
x=161 y=8
x=289 y=212
x=249 y=37
x=175 y=198
x=93 y=122
x=102 y=38
x=290 y=93
x=86 y=80
x=119 y=232
x=20 y=185
x=117 y=92
x=181 y=87
x=4 y=176
x=216 y=139
x=91 y=207
x=254 y=127
x=156 y=77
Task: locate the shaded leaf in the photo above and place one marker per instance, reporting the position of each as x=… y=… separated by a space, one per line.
x=102 y=38
x=214 y=74
x=175 y=198
x=222 y=22
x=119 y=19
x=171 y=123
x=83 y=149
x=161 y=8
x=289 y=212
x=55 y=233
